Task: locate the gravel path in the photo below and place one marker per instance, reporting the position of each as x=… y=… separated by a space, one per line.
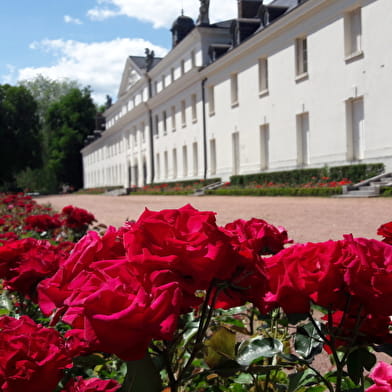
x=306 y=219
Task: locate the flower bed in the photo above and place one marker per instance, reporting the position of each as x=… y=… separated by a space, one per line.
x=173 y=302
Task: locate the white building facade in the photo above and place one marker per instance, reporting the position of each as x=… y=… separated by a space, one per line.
x=288 y=85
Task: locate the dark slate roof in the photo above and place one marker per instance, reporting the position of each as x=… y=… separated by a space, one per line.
x=225 y=24
x=285 y=3
x=140 y=61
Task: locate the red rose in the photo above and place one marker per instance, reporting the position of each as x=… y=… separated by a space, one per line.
x=304 y=273
x=43 y=222
x=257 y=235
x=386 y=231
x=372 y=328
x=368 y=273
x=117 y=312
x=31 y=357
x=381 y=374
x=249 y=240
x=24 y=263
x=77 y=218
x=91 y=385
x=185 y=241
x=52 y=292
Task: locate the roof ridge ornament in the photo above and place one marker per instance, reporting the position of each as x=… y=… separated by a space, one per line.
x=203 y=18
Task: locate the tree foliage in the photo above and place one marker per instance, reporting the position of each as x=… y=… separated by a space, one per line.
x=19 y=133
x=69 y=120
x=43 y=124
x=47 y=91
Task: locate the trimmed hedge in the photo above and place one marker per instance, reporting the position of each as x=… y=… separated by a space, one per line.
x=276 y=191
x=354 y=173
x=386 y=191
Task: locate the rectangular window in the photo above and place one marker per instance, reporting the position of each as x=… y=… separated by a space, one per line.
x=195 y=160
x=213 y=156
x=184 y=161
x=194 y=108
x=156 y=87
x=353 y=33
x=156 y=128
x=166 y=164
x=174 y=163
x=193 y=59
x=182 y=67
x=163 y=82
x=183 y=113
x=211 y=100
x=158 y=163
x=164 y=119
x=143 y=129
x=303 y=139
x=355 y=129
x=234 y=89
x=173 y=118
x=301 y=56
x=236 y=153
x=264 y=146
x=172 y=75
x=263 y=76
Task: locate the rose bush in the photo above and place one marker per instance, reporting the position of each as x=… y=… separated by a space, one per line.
x=188 y=305
x=24 y=263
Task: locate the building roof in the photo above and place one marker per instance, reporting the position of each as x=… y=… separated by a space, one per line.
x=285 y=3
x=140 y=61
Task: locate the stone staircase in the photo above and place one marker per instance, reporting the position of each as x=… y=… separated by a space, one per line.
x=116 y=192
x=202 y=191
x=368 y=188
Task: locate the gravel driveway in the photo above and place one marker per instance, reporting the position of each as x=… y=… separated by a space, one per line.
x=306 y=218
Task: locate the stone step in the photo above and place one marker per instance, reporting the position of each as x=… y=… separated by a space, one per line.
x=356 y=194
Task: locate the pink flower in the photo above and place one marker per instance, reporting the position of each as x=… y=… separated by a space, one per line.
x=382 y=377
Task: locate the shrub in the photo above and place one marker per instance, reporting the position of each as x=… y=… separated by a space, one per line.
x=354 y=173
x=276 y=191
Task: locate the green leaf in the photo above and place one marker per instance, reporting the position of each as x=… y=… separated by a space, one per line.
x=301 y=379
x=5 y=302
x=244 y=378
x=90 y=360
x=359 y=360
x=256 y=349
x=220 y=348
x=307 y=341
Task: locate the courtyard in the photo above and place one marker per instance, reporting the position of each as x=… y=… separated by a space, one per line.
x=307 y=219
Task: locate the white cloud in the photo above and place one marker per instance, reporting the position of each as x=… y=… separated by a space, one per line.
x=9 y=77
x=161 y=13
x=70 y=19
x=99 y=14
x=98 y=64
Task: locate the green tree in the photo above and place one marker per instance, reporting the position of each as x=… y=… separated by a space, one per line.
x=19 y=134
x=69 y=121
x=47 y=91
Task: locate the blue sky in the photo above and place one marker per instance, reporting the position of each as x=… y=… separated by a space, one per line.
x=88 y=40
